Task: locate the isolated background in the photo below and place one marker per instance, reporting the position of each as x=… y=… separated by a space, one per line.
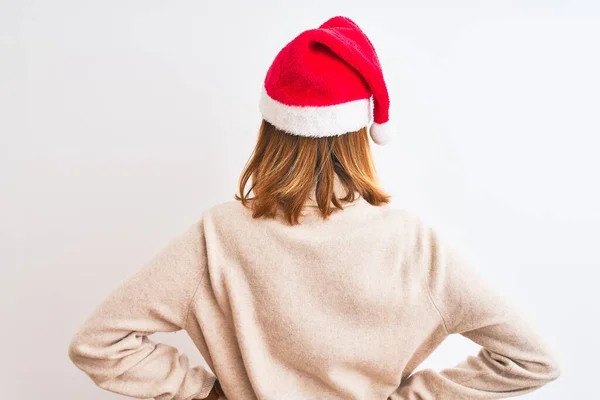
x=121 y=121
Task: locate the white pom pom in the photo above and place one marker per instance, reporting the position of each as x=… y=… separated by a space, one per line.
x=380 y=133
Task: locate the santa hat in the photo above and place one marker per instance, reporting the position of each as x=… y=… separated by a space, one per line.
x=321 y=83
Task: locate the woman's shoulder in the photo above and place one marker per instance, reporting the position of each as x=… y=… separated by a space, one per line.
x=232 y=211
x=224 y=207
x=402 y=215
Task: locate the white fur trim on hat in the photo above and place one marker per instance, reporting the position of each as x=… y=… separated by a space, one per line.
x=380 y=133
x=316 y=121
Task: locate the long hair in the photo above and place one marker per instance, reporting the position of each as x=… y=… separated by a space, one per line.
x=285 y=168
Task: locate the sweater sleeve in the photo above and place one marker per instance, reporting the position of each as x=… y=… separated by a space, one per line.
x=113 y=347
x=513 y=358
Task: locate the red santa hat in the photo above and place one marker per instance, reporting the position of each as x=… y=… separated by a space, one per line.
x=321 y=83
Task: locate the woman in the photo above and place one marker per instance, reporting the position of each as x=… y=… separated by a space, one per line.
x=314 y=288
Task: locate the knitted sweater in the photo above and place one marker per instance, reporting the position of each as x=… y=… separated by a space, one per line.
x=343 y=308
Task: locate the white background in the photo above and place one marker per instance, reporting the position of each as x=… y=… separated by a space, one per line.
x=121 y=121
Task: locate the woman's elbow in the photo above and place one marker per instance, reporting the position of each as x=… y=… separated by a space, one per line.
x=552 y=368
x=546 y=369
x=83 y=355
x=82 y=351
x=75 y=350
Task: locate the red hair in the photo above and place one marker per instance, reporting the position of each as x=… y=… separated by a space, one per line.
x=285 y=168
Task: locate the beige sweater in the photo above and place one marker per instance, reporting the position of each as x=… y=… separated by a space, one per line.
x=345 y=308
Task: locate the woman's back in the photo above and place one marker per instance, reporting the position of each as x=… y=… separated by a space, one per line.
x=324 y=309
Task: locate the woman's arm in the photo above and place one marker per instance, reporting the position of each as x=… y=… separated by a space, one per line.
x=113 y=345
x=513 y=360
